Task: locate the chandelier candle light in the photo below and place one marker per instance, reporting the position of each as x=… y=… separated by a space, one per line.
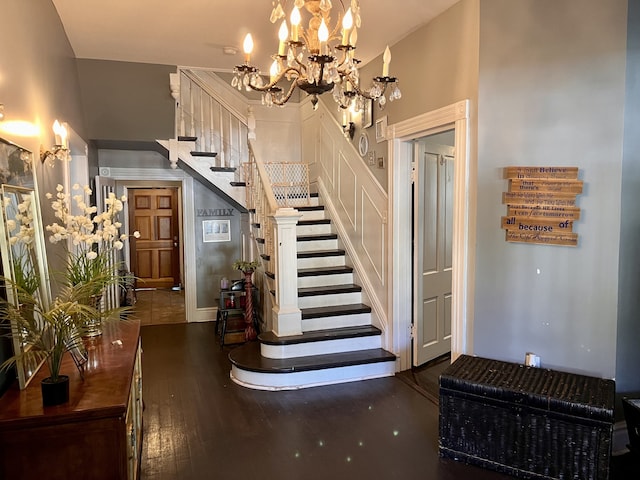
x=316 y=59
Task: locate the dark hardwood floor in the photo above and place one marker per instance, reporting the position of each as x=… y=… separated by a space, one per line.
x=198 y=424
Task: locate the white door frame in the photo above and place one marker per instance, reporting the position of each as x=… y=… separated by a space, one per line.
x=400 y=137
x=130 y=177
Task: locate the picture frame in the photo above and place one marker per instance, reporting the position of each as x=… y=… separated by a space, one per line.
x=367 y=113
x=216 y=231
x=381 y=129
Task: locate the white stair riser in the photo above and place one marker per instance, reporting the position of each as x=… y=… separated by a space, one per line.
x=338 y=321
x=325 y=347
x=313 y=378
x=313 y=215
x=330 y=300
x=325 y=280
x=317 y=262
x=317 y=245
x=320 y=229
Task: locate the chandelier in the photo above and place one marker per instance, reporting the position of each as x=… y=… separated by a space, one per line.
x=316 y=59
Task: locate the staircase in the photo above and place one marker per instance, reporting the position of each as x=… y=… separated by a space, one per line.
x=338 y=342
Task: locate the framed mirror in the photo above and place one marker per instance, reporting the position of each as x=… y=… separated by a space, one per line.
x=22 y=245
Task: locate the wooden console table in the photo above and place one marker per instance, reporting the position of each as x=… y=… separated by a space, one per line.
x=97 y=434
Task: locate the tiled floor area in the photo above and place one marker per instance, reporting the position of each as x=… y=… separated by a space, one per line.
x=159 y=306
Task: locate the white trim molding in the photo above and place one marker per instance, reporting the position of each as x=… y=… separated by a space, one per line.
x=401 y=135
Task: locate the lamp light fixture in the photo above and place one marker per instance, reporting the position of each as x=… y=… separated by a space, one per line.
x=1 y=112
x=316 y=59
x=60 y=149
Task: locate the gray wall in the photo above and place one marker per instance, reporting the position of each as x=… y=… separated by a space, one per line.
x=628 y=340
x=126 y=101
x=214 y=259
x=437 y=65
x=38 y=80
x=551 y=92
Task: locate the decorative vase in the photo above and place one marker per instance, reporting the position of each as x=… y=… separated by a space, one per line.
x=249 y=331
x=55 y=393
x=93 y=327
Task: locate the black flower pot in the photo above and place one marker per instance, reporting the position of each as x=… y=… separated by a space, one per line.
x=55 y=393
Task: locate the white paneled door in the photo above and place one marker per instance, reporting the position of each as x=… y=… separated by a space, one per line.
x=433 y=230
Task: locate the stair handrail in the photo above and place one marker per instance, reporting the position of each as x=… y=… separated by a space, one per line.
x=278 y=225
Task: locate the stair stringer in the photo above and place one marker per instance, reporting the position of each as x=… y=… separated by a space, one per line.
x=202 y=167
x=379 y=316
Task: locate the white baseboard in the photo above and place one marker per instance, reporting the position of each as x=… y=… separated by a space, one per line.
x=204 y=315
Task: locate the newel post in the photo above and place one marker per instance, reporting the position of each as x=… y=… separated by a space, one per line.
x=287 y=318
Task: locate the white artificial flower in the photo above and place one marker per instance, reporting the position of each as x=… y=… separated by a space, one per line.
x=136 y=234
x=91 y=255
x=118 y=245
x=76 y=186
x=59 y=188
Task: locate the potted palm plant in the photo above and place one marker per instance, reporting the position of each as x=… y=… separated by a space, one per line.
x=247 y=268
x=47 y=332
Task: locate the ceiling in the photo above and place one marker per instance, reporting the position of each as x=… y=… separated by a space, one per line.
x=193 y=32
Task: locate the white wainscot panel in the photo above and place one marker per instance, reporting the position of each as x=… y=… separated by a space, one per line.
x=348 y=191
x=373 y=236
x=328 y=158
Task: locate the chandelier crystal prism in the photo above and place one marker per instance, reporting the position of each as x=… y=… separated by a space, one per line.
x=317 y=59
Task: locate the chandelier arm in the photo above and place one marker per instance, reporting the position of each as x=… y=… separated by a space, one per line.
x=274 y=82
x=286 y=98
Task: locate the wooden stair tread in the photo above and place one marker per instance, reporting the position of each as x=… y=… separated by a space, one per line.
x=238 y=184
x=310 y=208
x=195 y=153
x=316 y=238
x=319 y=271
x=321 y=221
x=269 y=338
x=222 y=169
x=184 y=138
x=322 y=253
x=334 y=311
x=247 y=357
x=328 y=290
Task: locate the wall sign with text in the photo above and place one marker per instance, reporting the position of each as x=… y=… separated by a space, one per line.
x=541 y=205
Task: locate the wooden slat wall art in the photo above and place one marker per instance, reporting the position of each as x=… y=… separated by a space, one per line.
x=541 y=205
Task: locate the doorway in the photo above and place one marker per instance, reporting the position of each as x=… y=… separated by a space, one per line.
x=433 y=206
x=155 y=254
x=401 y=153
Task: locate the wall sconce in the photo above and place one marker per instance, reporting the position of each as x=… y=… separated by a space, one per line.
x=1 y=112
x=60 y=149
x=349 y=130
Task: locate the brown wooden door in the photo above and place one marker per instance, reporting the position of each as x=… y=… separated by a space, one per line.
x=154 y=256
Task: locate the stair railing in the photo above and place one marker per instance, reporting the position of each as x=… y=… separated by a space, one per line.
x=278 y=226
x=215 y=124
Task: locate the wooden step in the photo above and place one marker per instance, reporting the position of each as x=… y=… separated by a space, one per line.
x=222 y=169
x=321 y=221
x=270 y=338
x=246 y=357
x=310 y=208
x=322 y=253
x=316 y=238
x=187 y=139
x=321 y=271
x=335 y=310
x=238 y=184
x=329 y=290
x=195 y=153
